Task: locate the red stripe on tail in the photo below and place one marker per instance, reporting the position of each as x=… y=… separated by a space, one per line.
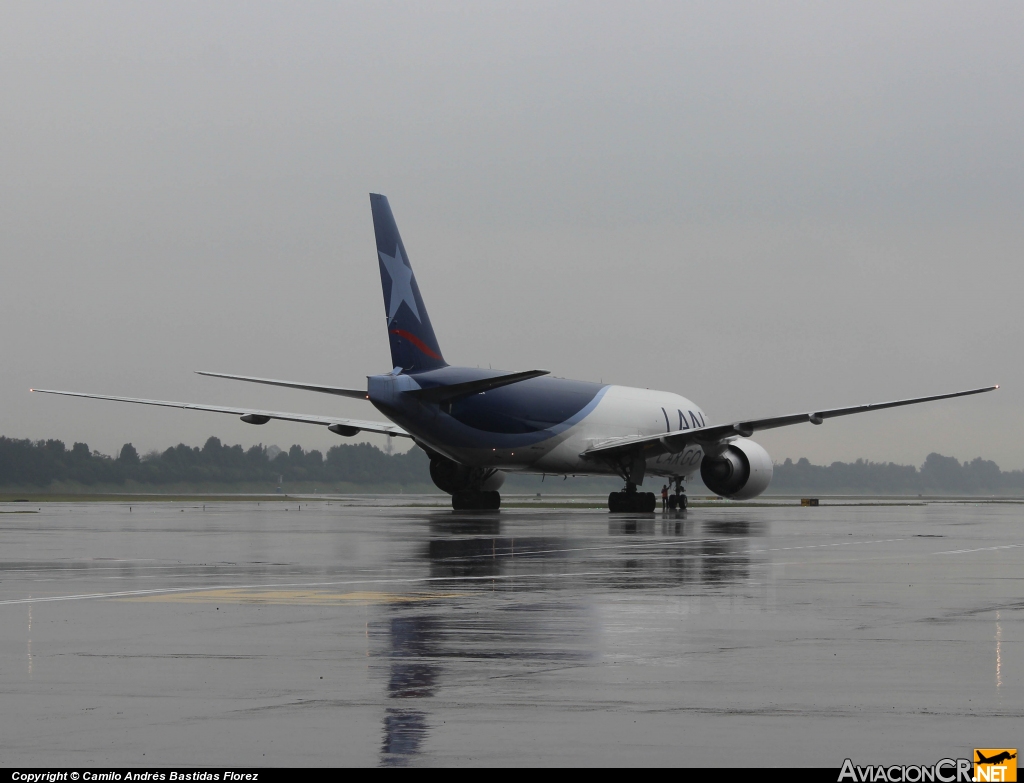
x=418 y=343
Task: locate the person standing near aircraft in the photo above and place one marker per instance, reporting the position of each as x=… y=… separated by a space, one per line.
x=664 y=497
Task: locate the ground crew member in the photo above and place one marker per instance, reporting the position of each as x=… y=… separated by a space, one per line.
x=664 y=497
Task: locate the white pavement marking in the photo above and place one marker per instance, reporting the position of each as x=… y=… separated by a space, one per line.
x=421 y=580
x=979 y=549
x=822 y=546
x=127 y=593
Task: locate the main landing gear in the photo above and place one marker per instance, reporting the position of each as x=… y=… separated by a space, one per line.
x=631 y=501
x=476 y=501
x=677 y=500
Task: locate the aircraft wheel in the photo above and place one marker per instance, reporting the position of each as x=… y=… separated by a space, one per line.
x=682 y=502
x=635 y=502
x=673 y=502
x=649 y=502
x=621 y=503
x=476 y=501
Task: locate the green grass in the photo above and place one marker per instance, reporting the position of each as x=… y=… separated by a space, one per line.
x=51 y=497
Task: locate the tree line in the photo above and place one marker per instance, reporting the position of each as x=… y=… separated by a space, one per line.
x=26 y=463
x=40 y=463
x=938 y=475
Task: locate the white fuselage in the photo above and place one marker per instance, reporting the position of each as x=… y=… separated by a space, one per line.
x=626 y=411
x=620 y=412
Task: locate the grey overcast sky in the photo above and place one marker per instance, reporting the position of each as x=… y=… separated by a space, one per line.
x=766 y=207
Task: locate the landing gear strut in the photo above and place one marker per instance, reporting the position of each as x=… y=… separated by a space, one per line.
x=677 y=500
x=629 y=500
x=476 y=501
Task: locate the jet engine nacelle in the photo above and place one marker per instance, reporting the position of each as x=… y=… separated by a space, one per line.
x=451 y=477
x=743 y=471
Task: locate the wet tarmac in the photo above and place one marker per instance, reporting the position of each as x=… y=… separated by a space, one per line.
x=330 y=634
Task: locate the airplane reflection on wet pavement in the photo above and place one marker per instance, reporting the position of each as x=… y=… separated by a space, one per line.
x=641 y=553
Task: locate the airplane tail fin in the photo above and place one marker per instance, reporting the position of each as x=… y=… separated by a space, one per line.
x=414 y=347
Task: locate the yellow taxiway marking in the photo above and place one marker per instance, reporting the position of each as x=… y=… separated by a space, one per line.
x=294 y=597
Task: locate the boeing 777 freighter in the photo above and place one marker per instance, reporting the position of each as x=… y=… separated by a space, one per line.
x=476 y=425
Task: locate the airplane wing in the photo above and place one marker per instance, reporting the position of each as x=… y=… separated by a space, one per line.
x=347 y=427
x=359 y=394
x=652 y=445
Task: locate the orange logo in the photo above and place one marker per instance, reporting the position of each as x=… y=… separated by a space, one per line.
x=995 y=764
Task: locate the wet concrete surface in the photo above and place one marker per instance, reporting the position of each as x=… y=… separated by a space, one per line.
x=267 y=634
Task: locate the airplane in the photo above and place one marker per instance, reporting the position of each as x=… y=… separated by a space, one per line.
x=477 y=425
x=1004 y=756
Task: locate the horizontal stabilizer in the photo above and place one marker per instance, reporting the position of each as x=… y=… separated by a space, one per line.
x=358 y=394
x=454 y=391
x=678 y=440
x=249 y=416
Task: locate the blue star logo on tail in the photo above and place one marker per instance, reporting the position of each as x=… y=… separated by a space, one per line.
x=401 y=284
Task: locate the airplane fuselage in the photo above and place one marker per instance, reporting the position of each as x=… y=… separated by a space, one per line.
x=542 y=425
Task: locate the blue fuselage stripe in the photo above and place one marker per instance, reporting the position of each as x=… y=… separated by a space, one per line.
x=520 y=414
